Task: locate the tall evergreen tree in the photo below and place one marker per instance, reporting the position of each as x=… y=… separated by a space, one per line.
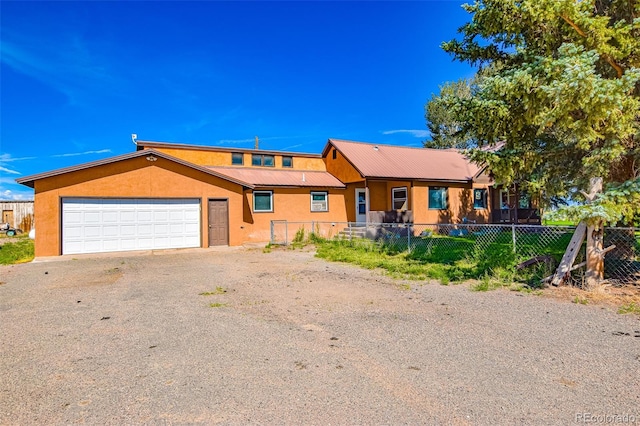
x=560 y=88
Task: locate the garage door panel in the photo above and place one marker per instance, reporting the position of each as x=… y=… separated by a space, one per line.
x=161 y=216
x=128 y=216
x=145 y=215
x=128 y=231
x=105 y=225
x=92 y=231
x=110 y=216
x=110 y=231
x=92 y=217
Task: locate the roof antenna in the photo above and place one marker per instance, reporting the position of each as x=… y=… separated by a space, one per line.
x=257 y=146
x=134 y=137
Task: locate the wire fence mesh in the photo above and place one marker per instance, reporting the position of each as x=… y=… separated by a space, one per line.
x=520 y=243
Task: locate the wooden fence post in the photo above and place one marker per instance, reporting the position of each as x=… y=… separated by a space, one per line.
x=595 y=256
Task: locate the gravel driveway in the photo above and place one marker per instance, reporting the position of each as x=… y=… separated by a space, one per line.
x=286 y=338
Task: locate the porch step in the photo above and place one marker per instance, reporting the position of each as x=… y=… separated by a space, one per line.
x=353 y=232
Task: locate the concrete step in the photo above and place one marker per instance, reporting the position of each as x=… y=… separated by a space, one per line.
x=353 y=232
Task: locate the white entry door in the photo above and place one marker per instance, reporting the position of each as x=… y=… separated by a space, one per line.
x=95 y=225
x=361 y=205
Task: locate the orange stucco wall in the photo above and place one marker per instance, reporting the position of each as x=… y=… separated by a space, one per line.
x=293 y=205
x=132 y=178
x=459 y=204
x=341 y=168
x=460 y=201
x=217 y=158
x=138 y=178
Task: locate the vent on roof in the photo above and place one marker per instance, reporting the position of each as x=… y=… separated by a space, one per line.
x=375 y=148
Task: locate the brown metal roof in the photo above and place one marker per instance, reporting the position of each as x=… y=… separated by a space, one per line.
x=152 y=144
x=399 y=162
x=29 y=180
x=279 y=177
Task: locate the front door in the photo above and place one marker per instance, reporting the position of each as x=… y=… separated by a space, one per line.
x=361 y=205
x=218 y=223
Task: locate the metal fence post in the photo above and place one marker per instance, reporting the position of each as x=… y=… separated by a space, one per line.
x=513 y=236
x=409 y=238
x=313 y=227
x=350 y=232
x=286 y=233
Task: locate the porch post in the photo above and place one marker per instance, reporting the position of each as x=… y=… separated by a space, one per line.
x=516 y=202
x=366 y=204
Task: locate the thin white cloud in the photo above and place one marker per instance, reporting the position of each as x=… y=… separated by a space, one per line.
x=235 y=141
x=6 y=158
x=5 y=170
x=414 y=133
x=74 y=154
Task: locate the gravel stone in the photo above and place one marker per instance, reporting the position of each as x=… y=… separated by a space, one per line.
x=292 y=339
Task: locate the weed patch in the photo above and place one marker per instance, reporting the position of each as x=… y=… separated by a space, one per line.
x=20 y=251
x=631 y=308
x=217 y=305
x=580 y=300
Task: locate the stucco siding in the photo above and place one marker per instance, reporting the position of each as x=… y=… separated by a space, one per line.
x=292 y=205
x=134 y=178
x=216 y=158
x=459 y=204
x=341 y=168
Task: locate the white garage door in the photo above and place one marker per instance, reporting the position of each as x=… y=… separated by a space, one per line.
x=94 y=225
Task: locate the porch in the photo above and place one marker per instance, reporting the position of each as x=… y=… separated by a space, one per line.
x=518 y=216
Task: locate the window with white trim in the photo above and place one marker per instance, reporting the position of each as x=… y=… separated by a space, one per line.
x=319 y=201
x=399 y=198
x=262 y=201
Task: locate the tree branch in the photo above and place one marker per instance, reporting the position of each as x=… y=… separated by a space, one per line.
x=609 y=59
x=574 y=25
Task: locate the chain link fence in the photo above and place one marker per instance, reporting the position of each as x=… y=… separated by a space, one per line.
x=493 y=243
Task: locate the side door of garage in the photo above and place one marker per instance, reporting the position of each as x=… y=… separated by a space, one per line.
x=218 y=223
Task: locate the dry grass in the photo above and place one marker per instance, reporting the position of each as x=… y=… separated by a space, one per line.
x=606 y=296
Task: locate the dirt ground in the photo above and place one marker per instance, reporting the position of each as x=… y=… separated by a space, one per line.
x=239 y=336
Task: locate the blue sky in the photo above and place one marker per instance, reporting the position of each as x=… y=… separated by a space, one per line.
x=78 y=78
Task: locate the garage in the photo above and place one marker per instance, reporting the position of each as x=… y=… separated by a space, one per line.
x=96 y=225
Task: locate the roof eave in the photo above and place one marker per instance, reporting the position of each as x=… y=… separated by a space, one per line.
x=330 y=142
x=421 y=179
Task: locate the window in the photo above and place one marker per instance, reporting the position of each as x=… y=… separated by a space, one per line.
x=437 y=198
x=525 y=201
x=262 y=160
x=399 y=198
x=479 y=198
x=237 y=158
x=287 y=161
x=262 y=201
x=319 y=202
x=334 y=154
